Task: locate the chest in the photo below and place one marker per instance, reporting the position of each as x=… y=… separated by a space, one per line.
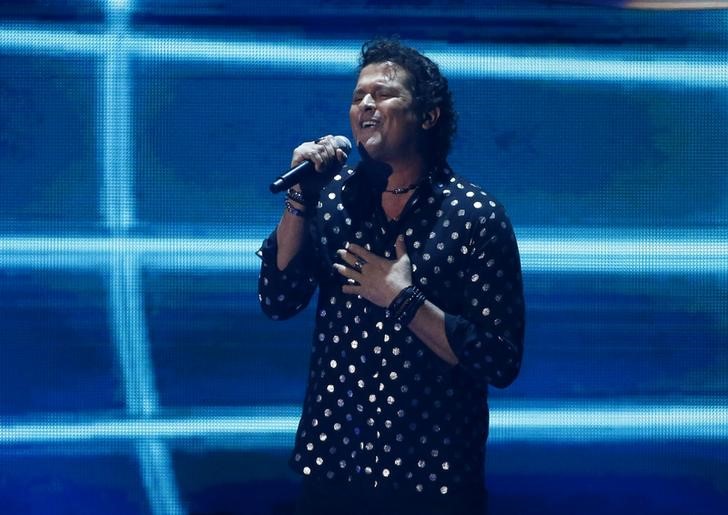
x=393 y=205
x=438 y=243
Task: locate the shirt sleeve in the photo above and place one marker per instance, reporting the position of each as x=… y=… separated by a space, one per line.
x=487 y=336
x=283 y=293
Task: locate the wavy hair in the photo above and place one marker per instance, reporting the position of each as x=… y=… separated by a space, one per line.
x=429 y=89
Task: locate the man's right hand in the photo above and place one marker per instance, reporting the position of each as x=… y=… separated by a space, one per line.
x=325 y=157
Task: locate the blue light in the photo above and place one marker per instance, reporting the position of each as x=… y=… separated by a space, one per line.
x=129 y=327
x=692 y=69
x=273 y=427
x=148 y=427
x=558 y=250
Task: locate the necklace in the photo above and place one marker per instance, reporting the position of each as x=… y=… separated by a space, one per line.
x=400 y=191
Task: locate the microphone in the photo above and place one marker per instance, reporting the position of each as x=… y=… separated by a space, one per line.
x=298 y=172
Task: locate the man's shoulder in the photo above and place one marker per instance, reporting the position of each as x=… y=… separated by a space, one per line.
x=466 y=194
x=338 y=181
x=331 y=193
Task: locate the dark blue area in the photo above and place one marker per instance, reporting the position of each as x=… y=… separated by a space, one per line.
x=254 y=483
x=49 y=176
x=211 y=138
x=56 y=353
x=556 y=153
x=212 y=345
x=652 y=478
x=597 y=335
x=668 y=477
x=588 y=336
x=70 y=485
x=208 y=138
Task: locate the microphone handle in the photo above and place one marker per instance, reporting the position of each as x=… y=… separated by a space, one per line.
x=291 y=177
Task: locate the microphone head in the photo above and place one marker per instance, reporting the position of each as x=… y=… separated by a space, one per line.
x=343 y=143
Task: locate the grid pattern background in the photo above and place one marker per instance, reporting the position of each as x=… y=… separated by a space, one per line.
x=133 y=344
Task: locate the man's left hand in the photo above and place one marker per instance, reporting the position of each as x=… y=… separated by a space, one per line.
x=377 y=279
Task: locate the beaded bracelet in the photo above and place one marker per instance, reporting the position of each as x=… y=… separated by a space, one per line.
x=295 y=196
x=294 y=210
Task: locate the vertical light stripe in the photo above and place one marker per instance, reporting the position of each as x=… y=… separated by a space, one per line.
x=125 y=285
x=158 y=476
x=117 y=197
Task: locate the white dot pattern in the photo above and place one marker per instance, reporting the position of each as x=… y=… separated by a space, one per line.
x=380 y=407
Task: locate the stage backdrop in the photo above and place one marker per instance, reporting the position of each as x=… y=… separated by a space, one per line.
x=137 y=142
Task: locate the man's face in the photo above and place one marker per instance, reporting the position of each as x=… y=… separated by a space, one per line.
x=382 y=114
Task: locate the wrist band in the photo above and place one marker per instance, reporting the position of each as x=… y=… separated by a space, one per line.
x=296 y=196
x=405 y=305
x=308 y=201
x=409 y=311
x=294 y=210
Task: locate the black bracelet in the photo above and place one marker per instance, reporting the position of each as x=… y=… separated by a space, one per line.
x=307 y=200
x=294 y=210
x=296 y=196
x=405 y=305
x=409 y=311
x=396 y=304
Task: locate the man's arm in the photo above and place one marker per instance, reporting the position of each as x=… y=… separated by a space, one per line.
x=486 y=337
x=487 y=333
x=290 y=232
x=288 y=270
x=429 y=326
x=324 y=154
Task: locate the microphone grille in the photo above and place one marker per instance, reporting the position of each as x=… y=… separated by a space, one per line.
x=343 y=143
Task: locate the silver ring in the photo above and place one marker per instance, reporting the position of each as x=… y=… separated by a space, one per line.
x=358 y=265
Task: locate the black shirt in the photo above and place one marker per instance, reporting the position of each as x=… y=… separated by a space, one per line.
x=381 y=409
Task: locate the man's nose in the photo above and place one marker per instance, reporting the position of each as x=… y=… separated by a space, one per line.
x=367 y=102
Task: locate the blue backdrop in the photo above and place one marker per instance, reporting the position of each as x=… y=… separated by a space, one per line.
x=137 y=140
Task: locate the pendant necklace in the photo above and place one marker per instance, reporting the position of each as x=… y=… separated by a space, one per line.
x=400 y=191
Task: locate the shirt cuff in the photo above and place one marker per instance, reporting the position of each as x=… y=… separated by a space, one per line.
x=268 y=253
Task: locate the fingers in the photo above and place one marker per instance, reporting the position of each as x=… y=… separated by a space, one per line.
x=347 y=272
x=329 y=150
x=306 y=152
x=351 y=286
x=321 y=153
x=354 y=261
x=352 y=289
x=353 y=248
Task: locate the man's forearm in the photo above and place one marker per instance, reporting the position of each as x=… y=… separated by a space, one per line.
x=289 y=237
x=429 y=326
x=290 y=232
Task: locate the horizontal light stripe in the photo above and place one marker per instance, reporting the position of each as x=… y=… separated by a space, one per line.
x=610 y=423
x=698 y=69
x=55 y=42
x=274 y=427
x=259 y=427
x=550 y=250
x=677 y=5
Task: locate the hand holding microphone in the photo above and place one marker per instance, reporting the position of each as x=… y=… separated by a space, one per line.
x=313 y=164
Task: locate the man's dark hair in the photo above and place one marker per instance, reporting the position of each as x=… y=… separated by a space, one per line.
x=429 y=89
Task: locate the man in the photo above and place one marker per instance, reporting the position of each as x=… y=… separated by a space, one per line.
x=420 y=302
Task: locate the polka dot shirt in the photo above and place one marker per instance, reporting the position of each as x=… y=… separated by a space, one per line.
x=381 y=409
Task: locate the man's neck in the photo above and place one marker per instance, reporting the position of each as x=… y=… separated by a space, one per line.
x=406 y=174
x=399 y=187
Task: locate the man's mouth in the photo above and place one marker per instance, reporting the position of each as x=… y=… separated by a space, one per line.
x=368 y=123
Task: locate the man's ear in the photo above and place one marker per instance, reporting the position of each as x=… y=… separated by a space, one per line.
x=430 y=118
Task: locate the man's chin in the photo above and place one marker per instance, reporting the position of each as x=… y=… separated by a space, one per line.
x=369 y=151
x=372 y=144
